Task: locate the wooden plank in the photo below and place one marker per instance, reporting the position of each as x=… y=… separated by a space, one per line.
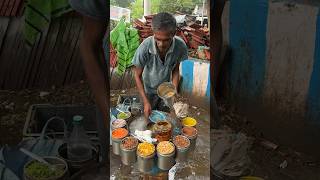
x=73 y=46
x=78 y=73
x=4 y=28
x=75 y=60
x=77 y=65
x=16 y=63
x=65 y=48
x=53 y=70
x=22 y=54
x=37 y=58
x=50 y=45
x=77 y=68
x=30 y=64
x=7 y=50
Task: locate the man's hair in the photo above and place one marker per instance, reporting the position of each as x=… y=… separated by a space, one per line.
x=164 y=22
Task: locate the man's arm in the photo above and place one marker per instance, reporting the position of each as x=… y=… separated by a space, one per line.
x=91 y=48
x=138 y=78
x=176 y=76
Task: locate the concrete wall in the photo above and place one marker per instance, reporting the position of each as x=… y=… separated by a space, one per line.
x=273 y=73
x=195 y=78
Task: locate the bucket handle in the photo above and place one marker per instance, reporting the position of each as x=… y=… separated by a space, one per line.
x=44 y=129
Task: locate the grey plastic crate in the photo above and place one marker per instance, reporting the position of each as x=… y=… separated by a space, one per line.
x=38 y=115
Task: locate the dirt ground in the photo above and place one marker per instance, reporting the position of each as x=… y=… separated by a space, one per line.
x=264 y=162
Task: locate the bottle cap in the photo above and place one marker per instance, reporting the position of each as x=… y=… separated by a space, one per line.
x=77 y=119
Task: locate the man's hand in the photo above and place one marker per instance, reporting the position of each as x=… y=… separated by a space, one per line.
x=147 y=110
x=138 y=78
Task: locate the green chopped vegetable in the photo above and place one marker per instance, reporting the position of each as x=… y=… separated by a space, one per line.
x=41 y=170
x=122 y=115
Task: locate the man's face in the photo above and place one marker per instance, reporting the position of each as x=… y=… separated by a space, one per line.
x=163 y=40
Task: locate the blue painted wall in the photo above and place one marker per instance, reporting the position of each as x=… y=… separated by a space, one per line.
x=248 y=41
x=273 y=73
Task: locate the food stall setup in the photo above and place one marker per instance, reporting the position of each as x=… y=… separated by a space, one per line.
x=173 y=144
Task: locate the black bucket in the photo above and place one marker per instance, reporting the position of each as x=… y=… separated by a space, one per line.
x=75 y=166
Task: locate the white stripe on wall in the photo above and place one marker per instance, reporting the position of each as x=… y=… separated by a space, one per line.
x=289 y=55
x=200 y=78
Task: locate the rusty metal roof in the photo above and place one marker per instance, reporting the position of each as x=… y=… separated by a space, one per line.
x=11 y=7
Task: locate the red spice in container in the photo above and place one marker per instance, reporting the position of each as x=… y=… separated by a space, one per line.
x=119 y=133
x=129 y=143
x=181 y=141
x=189 y=131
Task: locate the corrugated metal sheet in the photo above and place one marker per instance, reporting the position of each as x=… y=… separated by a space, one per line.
x=273 y=68
x=54 y=60
x=11 y=8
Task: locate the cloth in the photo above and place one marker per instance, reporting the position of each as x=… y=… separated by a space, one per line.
x=38 y=15
x=155 y=71
x=181 y=109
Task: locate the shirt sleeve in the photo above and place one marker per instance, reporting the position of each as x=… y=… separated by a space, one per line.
x=97 y=9
x=140 y=56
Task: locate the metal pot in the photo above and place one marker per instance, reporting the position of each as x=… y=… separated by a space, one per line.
x=182 y=152
x=193 y=139
x=166 y=161
x=145 y=164
x=128 y=156
x=116 y=145
x=116 y=142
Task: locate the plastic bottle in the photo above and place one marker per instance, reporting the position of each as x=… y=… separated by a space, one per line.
x=79 y=144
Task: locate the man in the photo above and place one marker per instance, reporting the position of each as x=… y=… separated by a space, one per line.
x=95 y=20
x=157 y=60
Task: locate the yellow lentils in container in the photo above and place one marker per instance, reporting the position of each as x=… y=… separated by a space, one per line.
x=165 y=147
x=145 y=149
